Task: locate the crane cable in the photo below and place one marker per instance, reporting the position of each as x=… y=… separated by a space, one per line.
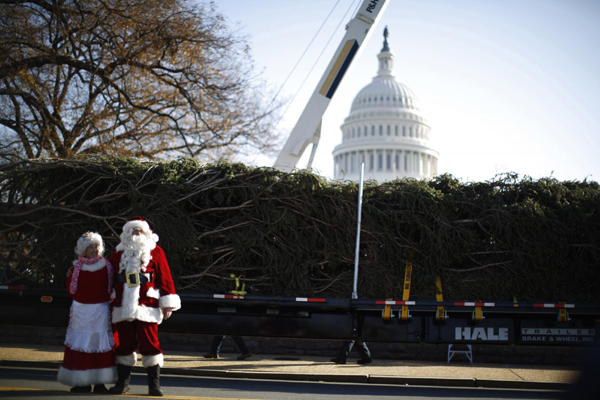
x=316 y=61
x=313 y=66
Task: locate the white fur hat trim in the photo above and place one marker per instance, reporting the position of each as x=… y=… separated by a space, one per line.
x=87 y=239
x=137 y=224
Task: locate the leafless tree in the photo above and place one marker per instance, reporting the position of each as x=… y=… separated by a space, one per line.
x=155 y=79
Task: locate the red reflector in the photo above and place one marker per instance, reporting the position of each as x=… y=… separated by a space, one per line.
x=46 y=299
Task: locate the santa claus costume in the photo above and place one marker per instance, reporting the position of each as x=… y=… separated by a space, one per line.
x=144 y=296
x=88 y=358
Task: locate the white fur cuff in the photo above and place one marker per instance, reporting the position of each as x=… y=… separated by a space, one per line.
x=129 y=360
x=151 y=361
x=171 y=300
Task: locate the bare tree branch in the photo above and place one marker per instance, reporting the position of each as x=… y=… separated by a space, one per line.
x=155 y=79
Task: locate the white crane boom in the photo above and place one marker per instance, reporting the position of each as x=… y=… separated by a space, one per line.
x=308 y=127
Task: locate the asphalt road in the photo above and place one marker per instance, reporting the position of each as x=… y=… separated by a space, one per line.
x=27 y=383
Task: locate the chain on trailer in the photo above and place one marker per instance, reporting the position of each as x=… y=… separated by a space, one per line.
x=405 y=314
x=441 y=314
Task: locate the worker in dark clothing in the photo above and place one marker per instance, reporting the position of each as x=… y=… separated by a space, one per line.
x=363 y=351
x=218 y=341
x=240 y=290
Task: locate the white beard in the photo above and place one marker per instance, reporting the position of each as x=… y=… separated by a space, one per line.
x=136 y=256
x=136 y=253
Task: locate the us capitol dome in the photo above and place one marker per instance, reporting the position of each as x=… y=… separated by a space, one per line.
x=386 y=130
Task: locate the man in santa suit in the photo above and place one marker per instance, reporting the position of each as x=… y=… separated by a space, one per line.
x=144 y=296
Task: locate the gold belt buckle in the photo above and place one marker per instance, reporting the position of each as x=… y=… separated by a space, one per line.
x=132 y=279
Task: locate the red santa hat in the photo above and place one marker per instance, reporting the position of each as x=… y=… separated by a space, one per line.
x=86 y=240
x=141 y=224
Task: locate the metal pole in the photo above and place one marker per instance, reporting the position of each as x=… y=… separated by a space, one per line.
x=357 y=251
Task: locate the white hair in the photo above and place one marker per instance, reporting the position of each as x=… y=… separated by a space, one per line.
x=86 y=240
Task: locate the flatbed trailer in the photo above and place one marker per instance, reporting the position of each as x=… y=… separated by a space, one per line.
x=372 y=320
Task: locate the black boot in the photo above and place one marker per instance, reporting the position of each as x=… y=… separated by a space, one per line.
x=124 y=374
x=81 y=389
x=154 y=381
x=100 y=389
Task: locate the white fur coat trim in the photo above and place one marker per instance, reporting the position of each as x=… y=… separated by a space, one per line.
x=129 y=303
x=141 y=313
x=153 y=293
x=86 y=377
x=98 y=265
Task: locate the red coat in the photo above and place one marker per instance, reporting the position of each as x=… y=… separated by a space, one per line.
x=92 y=287
x=145 y=302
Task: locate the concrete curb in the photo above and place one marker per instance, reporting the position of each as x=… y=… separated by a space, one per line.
x=31 y=364
x=338 y=378
x=532 y=385
x=422 y=381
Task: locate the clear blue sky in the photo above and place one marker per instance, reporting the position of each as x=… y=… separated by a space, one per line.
x=506 y=86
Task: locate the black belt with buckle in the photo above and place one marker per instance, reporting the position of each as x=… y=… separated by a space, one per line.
x=133 y=279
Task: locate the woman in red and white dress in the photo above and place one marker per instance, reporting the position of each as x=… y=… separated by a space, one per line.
x=88 y=358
